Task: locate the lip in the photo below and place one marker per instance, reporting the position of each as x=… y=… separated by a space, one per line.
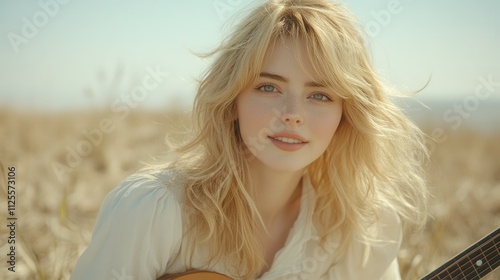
x=288 y=146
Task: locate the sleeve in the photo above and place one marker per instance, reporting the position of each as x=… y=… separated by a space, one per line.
x=375 y=259
x=137 y=232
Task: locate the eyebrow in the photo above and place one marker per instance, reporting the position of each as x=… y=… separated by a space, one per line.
x=285 y=80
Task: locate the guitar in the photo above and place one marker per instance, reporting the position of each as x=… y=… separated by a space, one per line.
x=474 y=262
x=196 y=275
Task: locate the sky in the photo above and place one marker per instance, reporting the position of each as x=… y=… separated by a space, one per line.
x=74 y=53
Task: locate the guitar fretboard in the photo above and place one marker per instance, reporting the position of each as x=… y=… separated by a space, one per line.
x=473 y=263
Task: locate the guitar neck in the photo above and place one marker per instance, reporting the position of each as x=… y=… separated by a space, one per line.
x=473 y=263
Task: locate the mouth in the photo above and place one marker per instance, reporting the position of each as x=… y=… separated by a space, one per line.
x=287 y=140
x=288 y=144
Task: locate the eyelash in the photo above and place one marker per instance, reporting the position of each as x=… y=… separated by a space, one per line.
x=261 y=86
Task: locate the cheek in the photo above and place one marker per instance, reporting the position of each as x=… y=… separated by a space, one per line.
x=325 y=125
x=253 y=117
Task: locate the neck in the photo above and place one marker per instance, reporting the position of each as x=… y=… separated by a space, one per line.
x=277 y=193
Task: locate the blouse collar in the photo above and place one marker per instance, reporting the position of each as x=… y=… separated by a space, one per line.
x=289 y=258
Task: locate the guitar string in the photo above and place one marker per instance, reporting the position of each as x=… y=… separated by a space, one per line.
x=490 y=262
x=495 y=258
x=497 y=261
x=494 y=235
x=474 y=273
x=473 y=251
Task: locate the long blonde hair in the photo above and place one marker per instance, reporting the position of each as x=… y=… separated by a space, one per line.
x=374 y=159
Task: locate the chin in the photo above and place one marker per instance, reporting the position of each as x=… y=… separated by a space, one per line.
x=285 y=165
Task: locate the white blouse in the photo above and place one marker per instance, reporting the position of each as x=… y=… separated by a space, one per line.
x=138 y=235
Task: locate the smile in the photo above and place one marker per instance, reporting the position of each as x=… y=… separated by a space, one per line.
x=287 y=140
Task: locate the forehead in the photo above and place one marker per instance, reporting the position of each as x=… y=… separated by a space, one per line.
x=286 y=56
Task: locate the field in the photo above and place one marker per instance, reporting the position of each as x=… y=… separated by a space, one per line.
x=64 y=169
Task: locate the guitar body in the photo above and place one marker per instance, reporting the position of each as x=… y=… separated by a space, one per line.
x=196 y=275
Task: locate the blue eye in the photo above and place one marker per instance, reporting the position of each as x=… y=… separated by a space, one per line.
x=267 y=88
x=321 y=97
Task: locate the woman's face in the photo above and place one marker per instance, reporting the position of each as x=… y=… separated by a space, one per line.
x=287 y=119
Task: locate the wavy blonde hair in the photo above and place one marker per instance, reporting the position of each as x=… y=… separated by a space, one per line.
x=374 y=159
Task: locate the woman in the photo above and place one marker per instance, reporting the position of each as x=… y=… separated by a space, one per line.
x=300 y=166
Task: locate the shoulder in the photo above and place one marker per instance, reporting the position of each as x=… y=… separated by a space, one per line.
x=143 y=201
x=146 y=183
x=387 y=228
x=380 y=250
x=381 y=253
x=375 y=256
x=138 y=229
x=151 y=199
x=142 y=192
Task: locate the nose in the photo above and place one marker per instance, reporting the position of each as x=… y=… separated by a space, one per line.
x=292 y=115
x=292 y=119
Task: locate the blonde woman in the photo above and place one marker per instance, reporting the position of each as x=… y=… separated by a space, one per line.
x=300 y=166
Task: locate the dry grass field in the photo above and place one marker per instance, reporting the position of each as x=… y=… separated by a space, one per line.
x=56 y=214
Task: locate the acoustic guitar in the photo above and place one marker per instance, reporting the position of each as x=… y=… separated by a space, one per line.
x=196 y=275
x=474 y=262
